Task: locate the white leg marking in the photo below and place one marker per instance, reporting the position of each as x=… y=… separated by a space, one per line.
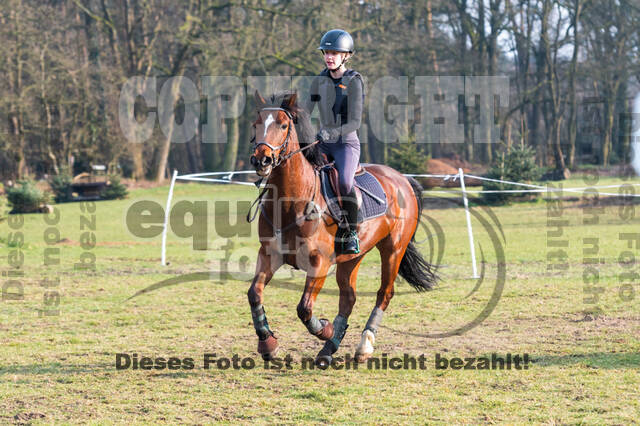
x=365 y=348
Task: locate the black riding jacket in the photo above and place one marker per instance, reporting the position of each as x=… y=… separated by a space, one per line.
x=340 y=102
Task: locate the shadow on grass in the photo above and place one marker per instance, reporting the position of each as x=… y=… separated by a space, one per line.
x=224 y=278
x=56 y=368
x=591 y=360
x=70 y=369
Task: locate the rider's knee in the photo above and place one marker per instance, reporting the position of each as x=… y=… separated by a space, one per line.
x=345 y=187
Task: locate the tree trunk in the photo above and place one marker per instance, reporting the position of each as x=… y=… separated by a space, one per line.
x=609 y=109
x=15 y=109
x=231 y=147
x=622 y=129
x=557 y=149
x=538 y=137
x=573 y=103
x=163 y=154
x=436 y=148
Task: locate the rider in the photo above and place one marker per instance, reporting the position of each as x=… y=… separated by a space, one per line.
x=339 y=92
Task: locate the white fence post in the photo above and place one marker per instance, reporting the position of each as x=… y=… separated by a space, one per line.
x=469 y=230
x=163 y=260
x=635 y=137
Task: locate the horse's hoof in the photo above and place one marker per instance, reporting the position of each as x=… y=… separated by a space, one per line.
x=325 y=356
x=362 y=358
x=326 y=332
x=323 y=361
x=268 y=348
x=365 y=348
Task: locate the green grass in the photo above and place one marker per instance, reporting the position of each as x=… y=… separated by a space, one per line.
x=585 y=366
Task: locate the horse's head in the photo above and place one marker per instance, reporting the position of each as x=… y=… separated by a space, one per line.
x=273 y=129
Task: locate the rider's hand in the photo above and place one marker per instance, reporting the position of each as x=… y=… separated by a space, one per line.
x=324 y=136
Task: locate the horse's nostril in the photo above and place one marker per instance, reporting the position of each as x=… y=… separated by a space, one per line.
x=254 y=161
x=266 y=161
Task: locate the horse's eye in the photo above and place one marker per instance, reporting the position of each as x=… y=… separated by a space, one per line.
x=284 y=126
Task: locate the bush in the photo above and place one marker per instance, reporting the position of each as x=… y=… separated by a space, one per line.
x=406 y=158
x=3 y=202
x=114 y=190
x=517 y=165
x=61 y=187
x=26 y=198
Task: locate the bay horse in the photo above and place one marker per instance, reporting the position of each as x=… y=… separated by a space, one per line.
x=296 y=229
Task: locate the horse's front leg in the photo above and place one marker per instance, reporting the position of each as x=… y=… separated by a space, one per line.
x=316 y=274
x=267 y=265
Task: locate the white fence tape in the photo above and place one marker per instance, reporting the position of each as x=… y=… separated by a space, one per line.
x=225 y=177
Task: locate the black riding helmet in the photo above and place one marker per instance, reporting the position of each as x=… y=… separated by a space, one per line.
x=338 y=40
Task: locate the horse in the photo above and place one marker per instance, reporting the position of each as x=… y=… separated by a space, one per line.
x=295 y=229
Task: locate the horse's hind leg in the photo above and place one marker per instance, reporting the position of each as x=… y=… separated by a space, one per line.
x=391 y=257
x=346 y=275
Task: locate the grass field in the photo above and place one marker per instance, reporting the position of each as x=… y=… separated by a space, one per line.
x=585 y=354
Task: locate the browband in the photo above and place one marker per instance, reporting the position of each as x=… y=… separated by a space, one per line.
x=278 y=109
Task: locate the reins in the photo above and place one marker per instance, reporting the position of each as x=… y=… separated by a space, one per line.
x=291 y=154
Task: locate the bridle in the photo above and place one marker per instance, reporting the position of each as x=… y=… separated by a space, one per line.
x=275 y=162
x=280 y=158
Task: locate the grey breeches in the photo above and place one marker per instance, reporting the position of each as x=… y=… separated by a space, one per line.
x=346 y=157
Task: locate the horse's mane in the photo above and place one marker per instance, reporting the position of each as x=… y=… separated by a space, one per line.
x=304 y=129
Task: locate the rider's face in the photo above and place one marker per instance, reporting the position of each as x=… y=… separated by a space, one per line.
x=332 y=58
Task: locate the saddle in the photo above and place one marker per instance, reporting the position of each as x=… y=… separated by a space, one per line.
x=372 y=201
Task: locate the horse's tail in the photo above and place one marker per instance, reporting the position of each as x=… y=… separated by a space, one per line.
x=413 y=268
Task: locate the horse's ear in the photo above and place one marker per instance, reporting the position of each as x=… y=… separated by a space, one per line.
x=260 y=102
x=291 y=100
x=289 y=103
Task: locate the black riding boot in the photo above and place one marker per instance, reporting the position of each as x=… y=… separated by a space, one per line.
x=350 y=241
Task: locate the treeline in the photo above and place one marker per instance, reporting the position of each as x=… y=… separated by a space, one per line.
x=573 y=68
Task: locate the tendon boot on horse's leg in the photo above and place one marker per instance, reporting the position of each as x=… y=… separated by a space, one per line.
x=368 y=339
x=350 y=242
x=267 y=343
x=346 y=276
x=321 y=328
x=324 y=358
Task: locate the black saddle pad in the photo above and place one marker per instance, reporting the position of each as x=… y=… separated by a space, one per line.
x=374 y=200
